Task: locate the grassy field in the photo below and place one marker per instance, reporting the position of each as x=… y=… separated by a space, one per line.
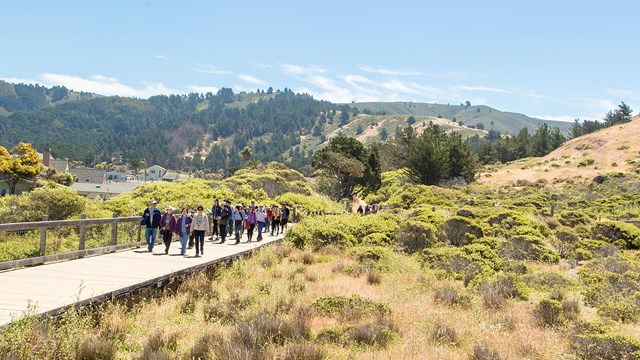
x=444 y=274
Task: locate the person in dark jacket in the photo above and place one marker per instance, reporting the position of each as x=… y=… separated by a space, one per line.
x=215 y=214
x=182 y=229
x=151 y=219
x=167 y=224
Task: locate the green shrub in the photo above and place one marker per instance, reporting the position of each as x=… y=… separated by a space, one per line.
x=452 y=296
x=503 y=223
x=547 y=280
x=596 y=248
x=466 y=263
x=607 y=346
x=56 y=203
x=376 y=239
x=497 y=290
x=414 y=236
x=617 y=232
x=620 y=309
x=527 y=247
x=377 y=334
x=349 y=307
x=460 y=231
x=371 y=253
x=548 y=312
x=573 y=218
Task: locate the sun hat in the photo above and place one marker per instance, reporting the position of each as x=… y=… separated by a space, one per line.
x=152 y=202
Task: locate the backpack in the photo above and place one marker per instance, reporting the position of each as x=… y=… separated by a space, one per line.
x=224 y=213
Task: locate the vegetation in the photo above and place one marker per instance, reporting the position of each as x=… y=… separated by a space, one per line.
x=24 y=164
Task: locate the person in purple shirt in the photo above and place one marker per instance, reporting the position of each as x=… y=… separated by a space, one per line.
x=182 y=229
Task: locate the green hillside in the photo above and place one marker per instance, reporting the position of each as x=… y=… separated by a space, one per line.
x=471 y=115
x=15 y=97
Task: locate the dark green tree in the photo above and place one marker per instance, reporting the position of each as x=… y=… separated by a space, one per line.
x=427 y=157
x=348 y=167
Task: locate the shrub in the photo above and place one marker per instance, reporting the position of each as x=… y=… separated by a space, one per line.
x=56 y=203
x=460 y=231
x=484 y=353
x=527 y=247
x=547 y=280
x=303 y=351
x=378 y=334
x=548 y=312
x=465 y=263
x=573 y=218
x=624 y=310
x=606 y=346
x=617 y=232
x=444 y=334
x=452 y=296
x=374 y=277
x=595 y=248
x=414 y=236
x=371 y=253
x=349 y=307
x=571 y=309
x=496 y=291
x=377 y=239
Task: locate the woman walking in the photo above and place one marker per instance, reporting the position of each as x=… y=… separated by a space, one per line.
x=182 y=229
x=167 y=223
x=200 y=225
x=237 y=221
x=250 y=222
x=275 y=219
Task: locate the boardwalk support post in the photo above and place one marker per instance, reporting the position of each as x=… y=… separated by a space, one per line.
x=83 y=232
x=43 y=237
x=114 y=231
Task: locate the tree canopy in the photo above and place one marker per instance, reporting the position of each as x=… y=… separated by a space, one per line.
x=23 y=164
x=348 y=167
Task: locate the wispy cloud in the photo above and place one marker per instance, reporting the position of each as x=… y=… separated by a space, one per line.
x=203 y=89
x=163 y=57
x=105 y=85
x=250 y=79
x=209 y=69
x=301 y=70
x=481 y=88
x=567 y=118
x=392 y=72
x=15 y=80
x=623 y=94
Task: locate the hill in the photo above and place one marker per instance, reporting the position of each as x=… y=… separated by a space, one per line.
x=15 y=97
x=613 y=149
x=469 y=115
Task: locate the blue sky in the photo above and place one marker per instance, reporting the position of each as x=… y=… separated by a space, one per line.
x=550 y=59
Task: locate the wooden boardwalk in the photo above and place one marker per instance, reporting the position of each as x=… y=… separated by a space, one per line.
x=51 y=288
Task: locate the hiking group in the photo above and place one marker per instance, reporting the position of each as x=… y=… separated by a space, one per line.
x=191 y=226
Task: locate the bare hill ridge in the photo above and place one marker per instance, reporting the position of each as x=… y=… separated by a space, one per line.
x=614 y=149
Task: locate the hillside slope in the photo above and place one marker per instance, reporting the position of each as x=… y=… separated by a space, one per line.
x=469 y=115
x=613 y=149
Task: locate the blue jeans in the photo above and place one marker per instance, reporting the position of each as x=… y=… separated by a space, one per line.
x=184 y=239
x=261 y=225
x=150 y=237
x=238 y=224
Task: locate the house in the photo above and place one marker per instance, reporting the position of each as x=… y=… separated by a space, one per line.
x=171 y=176
x=92 y=176
x=152 y=173
x=61 y=166
x=119 y=176
x=106 y=190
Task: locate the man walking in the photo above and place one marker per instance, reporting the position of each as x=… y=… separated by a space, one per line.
x=151 y=219
x=215 y=214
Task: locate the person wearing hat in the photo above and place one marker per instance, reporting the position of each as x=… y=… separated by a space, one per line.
x=261 y=216
x=167 y=224
x=151 y=219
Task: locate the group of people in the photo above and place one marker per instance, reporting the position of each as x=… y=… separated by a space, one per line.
x=368 y=209
x=226 y=220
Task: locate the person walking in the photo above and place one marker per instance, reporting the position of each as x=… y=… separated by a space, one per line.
x=237 y=221
x=261 y=216
x=250 y=222
x=182 y=228
x=284 y=217
x=225 y=214
x=151 y=219
x=215 y=214
x=275 y=219
x=230 y=224
x=199 y=227
x=192 y=214
x=269 y=218
x=167 y=223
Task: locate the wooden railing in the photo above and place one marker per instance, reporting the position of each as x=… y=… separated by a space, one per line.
x=81 y=224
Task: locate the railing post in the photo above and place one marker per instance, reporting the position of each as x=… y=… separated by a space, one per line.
x=114 y=231
x=139 y=233
x=553 y=209
x=83 y=231
x=43 y=237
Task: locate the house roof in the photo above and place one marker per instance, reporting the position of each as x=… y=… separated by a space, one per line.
x=171 y=175
x=92 y=176
x=59 y=165
x=108 y=188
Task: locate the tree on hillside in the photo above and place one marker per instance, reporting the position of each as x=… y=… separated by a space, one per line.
x=468 y=103
x=347 y=167
x=619 y=116
x=384 y=134
x=246 y=154
x=428 y=158
x=344 y=118
x=411 y=120
x=24 y=164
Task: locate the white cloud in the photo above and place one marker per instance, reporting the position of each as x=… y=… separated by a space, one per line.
x=250 y=79
x=301 y=70
x=104 y=85
x=624 y=94
x=384 y=71
x=209 y=69
x=15 y=80
x=163 y=57
x=481 y=88
x=203 y=89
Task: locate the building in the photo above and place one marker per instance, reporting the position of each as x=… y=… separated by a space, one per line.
x=104 y=191
x=21 y=187
x=91 y=176
x=61 y=166
x=119 y=176
x=152 y=173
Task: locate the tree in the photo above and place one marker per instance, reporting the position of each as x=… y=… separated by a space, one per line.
x=344 y=118
x=480 y=126
x=24 y=164
x=619 y=116
x=384 y=134
x=348 y=167
x=427 y=158
x=468 y=103
x=411 y=120
x=246 y=154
